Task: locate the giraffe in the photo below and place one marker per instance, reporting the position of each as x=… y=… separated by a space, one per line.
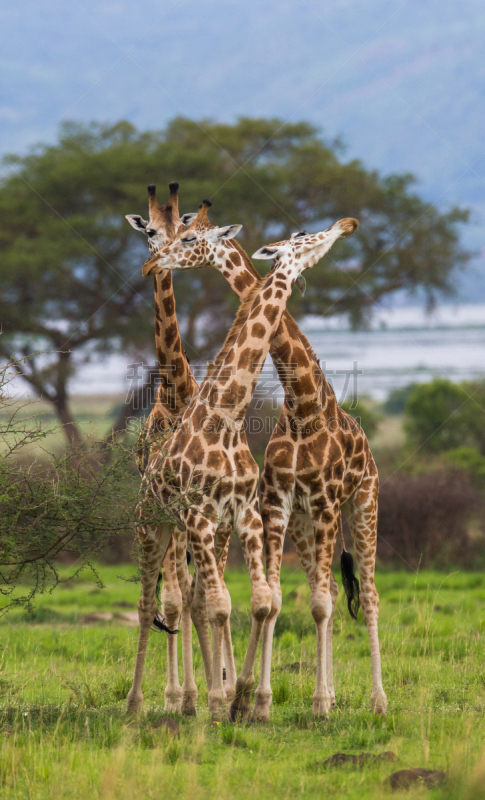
x=177 y=386
x=225 y=254
x=306 y=389
x=210 y=449
x=176 y=389
x=318 y=460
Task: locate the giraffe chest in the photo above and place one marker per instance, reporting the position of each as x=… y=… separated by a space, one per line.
x=221 y=480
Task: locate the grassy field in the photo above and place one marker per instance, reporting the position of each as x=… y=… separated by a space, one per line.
x=64 y=679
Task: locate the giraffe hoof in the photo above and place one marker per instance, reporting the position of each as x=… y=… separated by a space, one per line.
x=134 y=703
x=189 y=704
x=262 y=705
x=380 y=709
x=173 y=702
x=234 y=713
x=378 y=704
x=260 y=715
x=321 y=707
x=239 y=712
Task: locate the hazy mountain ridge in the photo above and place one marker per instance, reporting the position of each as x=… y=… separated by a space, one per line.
x=402 y=83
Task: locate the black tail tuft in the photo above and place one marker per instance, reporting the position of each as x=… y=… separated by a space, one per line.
x=159 y=624
x=159 y=586
x=350 y=583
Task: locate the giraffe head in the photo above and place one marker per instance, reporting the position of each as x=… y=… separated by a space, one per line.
x=303 y=250
x=193 y=246
x=307 y=248
x=163 y=221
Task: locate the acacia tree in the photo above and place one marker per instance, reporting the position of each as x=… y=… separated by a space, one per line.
x=70 y=267
x=67 y=504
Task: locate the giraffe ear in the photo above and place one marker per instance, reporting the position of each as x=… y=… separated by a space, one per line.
x=226 y=232
x=137 y=222
x=188 y=219
x=266 y=253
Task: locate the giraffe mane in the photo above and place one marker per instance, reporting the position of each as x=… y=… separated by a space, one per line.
x=240 y=320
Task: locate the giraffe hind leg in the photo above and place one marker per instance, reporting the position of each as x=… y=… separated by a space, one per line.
x=189 y=687
x=276 y=520
x=154 y=543
x=361 y=512
x=251 y=538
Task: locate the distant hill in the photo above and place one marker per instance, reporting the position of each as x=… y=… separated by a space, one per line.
x=402 y=82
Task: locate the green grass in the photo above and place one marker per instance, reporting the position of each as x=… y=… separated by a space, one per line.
x=64 y=733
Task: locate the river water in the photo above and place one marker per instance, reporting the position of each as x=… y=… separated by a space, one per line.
x=404 y=345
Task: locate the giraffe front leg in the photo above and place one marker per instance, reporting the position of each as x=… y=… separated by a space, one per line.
x=229 y=669
x=172 y=610
x=201 y=534
x=251 y=537
x=189 y=687
x=300 y=530
x=198 y=613
x=154 y=543
x=321 y=606
x=275 y=522
x=362 y=521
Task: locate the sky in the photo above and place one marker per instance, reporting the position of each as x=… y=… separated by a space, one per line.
x=402 y=83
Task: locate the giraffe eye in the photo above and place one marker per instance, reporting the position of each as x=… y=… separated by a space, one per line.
x=300 y=234
x=189 y=240
x=151 y=233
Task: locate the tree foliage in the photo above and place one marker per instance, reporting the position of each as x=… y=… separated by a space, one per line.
x=442 y=415
x=70 y=504
x=70 y=269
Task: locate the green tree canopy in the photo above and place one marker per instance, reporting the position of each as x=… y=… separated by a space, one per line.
x=443 y=416
x=70 y=271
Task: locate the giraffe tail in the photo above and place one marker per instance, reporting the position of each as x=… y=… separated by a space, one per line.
x=158 y=623
x=349 y=580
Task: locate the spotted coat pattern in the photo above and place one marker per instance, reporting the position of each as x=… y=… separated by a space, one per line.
x=180 y=599
x=318 y=459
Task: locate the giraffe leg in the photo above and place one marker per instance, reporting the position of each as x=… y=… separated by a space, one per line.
x=321 y=606
x=329 y=662
x=275 y=522
x=300 y=530
x=362 y=519
x=229 y=669
x=172 y=610
x=251 y=537
x=154 y=542
x=201 y=533
x=198 y=613
x=189 y=687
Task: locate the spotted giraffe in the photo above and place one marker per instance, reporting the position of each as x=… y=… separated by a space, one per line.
x=214 y=247
x=210 y=449
x=318 y=460
x=288 y=467
x=176 y=388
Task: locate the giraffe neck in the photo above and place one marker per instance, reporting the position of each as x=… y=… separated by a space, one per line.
x=231 y=382
x=299 y=371
x=177 y=383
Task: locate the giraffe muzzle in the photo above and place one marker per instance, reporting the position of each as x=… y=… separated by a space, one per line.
x=348 y=226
